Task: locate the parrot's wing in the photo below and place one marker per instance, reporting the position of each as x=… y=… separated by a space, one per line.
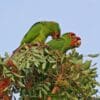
x=56 y=43
x=43 y=35
x=33 y=32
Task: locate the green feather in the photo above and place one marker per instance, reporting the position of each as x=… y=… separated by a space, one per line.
x=40 y=31
x=62 y=44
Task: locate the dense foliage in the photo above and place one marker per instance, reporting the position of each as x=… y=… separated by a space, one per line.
x=38 y=72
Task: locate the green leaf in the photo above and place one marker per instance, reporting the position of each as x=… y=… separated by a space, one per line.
x=76 y=77
x=86 y=72
x=87 y=64
x=46 y=51
x=36 y=63
x=40 y=93
x=44 y=91
x=28 y=65
x=79 y=61
x=54 y=66
x=17 y=75
x=21 y=84
x=6 y=54
x=44 y=66
x=46 y=87
x=93 y=55
x=48 y=83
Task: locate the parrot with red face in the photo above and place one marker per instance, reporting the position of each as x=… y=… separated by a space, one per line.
x=39 y=32
x=65 y=42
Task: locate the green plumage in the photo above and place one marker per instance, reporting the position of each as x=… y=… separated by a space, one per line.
x=62 y=44
x=40 y=31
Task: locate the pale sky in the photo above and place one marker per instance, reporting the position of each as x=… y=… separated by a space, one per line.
x=79 y=16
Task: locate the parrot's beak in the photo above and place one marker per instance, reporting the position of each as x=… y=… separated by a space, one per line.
x=56 y=35
x=76 y=41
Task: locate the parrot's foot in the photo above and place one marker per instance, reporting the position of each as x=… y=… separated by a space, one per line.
x=37 y=44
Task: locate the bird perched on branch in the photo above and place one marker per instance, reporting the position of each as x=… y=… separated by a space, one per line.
x=40 y=31
x=65 y=42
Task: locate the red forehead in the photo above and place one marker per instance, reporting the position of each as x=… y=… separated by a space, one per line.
x=72 y=33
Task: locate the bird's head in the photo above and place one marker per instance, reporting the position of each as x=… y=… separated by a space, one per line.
x=74 y=41
x=54 y=29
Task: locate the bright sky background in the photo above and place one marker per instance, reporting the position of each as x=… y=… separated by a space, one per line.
x=79 y=16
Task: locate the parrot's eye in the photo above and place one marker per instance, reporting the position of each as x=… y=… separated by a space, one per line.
x=58 y=35
x=55 y=35
x=72 y=35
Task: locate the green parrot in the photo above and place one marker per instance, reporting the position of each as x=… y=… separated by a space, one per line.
x=65 y=42
x=40 y=31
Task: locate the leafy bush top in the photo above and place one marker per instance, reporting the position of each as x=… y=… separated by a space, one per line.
x=40 y=72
